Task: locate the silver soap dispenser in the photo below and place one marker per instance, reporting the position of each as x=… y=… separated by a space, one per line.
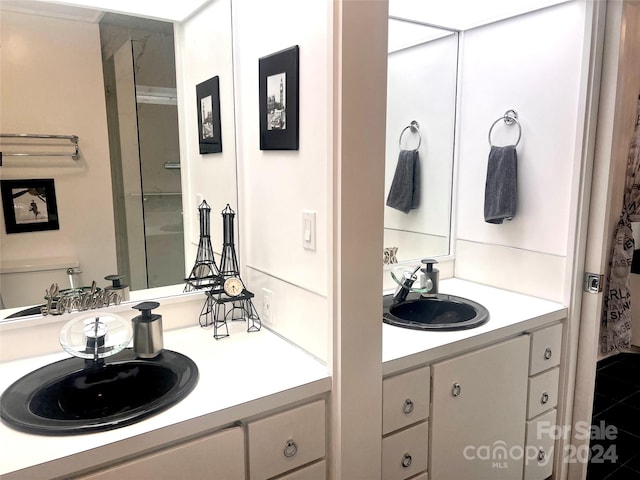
x=117 y=287
x=432 y=277
x=147 y=331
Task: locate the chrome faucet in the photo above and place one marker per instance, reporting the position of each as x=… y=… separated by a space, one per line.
x=71 y=271
x=428 y=284
x=400 y=295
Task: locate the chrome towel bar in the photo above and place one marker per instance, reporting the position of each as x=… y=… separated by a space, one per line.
x=29 y=136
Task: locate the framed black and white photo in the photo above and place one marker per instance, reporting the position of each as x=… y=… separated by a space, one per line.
x=29 y=205
x=209 y=128
x=279 y=100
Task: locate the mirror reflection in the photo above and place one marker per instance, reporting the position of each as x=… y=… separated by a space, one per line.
x=111 y=80
x=142 y=116
x=421 y=88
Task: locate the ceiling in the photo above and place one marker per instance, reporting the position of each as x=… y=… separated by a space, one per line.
x=463 y=14
x=92 y=10
x=452 y=14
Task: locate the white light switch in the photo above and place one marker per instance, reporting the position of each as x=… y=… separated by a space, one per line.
x=309 y=229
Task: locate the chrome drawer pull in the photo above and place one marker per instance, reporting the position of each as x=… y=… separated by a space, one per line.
x=456 y=390
x=407 y=408
x=406 y=460
x=545 y=398
x=547 y=354
x=541 y=455
x=290 y=449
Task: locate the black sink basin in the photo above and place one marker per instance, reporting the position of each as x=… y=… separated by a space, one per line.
x=439 y=312
x=74 y=396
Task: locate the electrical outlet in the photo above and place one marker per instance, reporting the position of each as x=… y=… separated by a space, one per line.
x=267 y=306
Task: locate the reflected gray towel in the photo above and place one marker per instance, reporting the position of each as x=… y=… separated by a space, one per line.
x=500 y=193
x=404 y=193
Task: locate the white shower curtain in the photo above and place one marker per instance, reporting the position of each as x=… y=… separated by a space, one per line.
x=615 y=330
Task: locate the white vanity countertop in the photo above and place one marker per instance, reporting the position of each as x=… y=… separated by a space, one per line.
x=510 y=314
x=250 y=373
x=240 y=376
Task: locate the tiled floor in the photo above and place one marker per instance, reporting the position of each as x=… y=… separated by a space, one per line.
x=615 y=452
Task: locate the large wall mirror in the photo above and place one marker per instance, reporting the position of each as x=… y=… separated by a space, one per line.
x=125 y=207
x=426 y=41
x=421 y=112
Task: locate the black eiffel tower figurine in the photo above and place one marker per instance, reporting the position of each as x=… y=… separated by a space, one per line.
x=233 y=300
x=229 y=261
x=205 y=273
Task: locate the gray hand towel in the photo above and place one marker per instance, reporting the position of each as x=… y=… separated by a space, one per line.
x=500 y=193
x=404 y=193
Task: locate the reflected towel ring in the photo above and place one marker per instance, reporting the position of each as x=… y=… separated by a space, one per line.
x=415 y=128
x=510 y=117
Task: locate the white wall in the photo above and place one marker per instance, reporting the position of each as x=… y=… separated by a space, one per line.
x=51 y=82
x=204 y=50
x=276 y=186
x=533 y=64
x=421 y=86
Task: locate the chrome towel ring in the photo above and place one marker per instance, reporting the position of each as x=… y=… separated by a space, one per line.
x=510 y=117
x=415 y=128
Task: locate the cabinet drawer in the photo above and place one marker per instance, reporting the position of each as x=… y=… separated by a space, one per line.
x=545 y=349
x=539 y=447
x=287 y=440
x=405 y=453
x=405 y=399
x=221 y=453
x=317 y=471
x=422 y=476
x=543 y=392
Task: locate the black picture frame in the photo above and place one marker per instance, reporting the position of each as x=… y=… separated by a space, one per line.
x=279 y=99
x=29 y=205
x=208 y=106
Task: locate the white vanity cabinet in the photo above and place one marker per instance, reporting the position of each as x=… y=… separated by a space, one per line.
x=289 y=445
x=488 y=413
x=478 y=412
x=219 y=455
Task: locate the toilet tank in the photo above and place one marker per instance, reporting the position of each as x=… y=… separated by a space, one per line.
x=24 y=282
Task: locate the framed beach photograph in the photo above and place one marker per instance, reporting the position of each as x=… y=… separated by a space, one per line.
x=279 y=100
x=209 y=128
x=29 y=205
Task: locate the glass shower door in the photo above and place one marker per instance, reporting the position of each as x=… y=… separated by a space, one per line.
x=143 y=131
x=161 y=189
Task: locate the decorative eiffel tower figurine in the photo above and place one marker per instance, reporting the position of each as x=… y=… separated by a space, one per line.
x=205 y=273
x=229 y=262
x=233 y=300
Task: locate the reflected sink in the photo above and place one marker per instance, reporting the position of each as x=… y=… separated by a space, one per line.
x=67 y=398
x=439 y=312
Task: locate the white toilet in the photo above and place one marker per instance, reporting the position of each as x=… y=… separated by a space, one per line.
x=23 y=283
